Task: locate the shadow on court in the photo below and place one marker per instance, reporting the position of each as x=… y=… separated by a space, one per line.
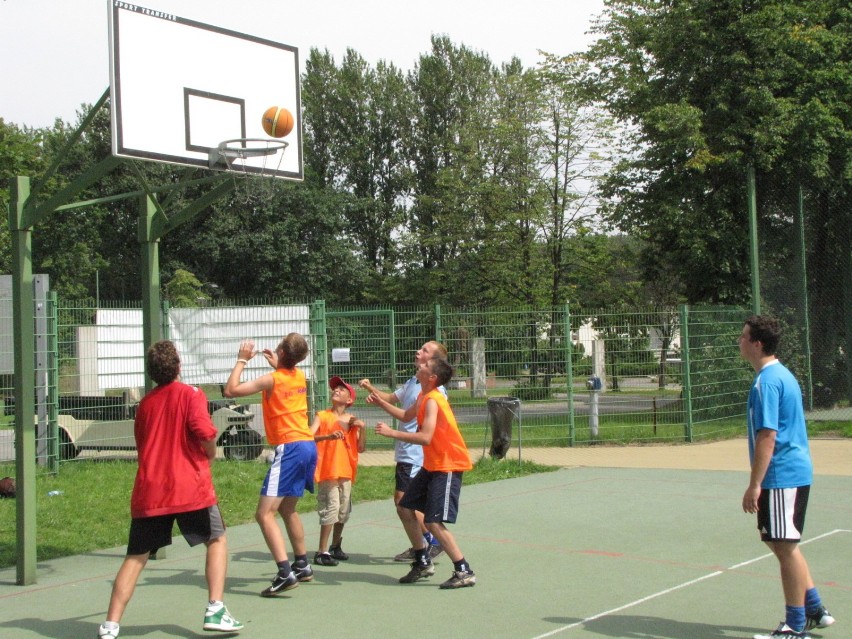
x=583 y=552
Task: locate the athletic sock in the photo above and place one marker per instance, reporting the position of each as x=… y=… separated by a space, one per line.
x=214 y=605
x=110 y=625
x=284 y=567
x=795 y=617
x=812 y=601
x=461 y=565
x=430 y=538
x=301 y=560
x=421 y=555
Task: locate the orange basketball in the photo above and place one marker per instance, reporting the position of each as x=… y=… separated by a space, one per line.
x=277 y=122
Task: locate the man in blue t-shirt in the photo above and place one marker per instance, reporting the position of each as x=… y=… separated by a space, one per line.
x=409 y=457
x=781 y=474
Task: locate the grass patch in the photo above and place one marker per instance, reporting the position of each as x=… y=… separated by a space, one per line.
x=93 y=511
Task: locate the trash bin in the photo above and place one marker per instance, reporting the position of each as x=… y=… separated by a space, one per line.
x=503 y=410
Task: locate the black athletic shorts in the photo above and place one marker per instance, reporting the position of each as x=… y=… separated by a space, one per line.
x=149 y=534
x=435 y=494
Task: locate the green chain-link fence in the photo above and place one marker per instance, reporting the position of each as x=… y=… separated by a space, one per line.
x=623 y=376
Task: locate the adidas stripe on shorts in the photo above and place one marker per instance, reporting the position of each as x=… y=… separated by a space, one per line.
x=781 y=513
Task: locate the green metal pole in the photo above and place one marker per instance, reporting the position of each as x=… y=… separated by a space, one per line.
x=569 y=373
x=437 y=323
x=753 y=247
x=687 y=382
x=392 y=348
x=319 y=356
x=150 y=255
x=806 y=313
x=24 y=332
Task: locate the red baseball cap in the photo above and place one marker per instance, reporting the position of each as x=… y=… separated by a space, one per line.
x=336 y=381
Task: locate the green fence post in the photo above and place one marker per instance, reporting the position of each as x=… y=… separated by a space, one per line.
x=753 y=243
x=437 y=322
x=806 y=315
x=319 y=356
x=392 y=354
x=687 y=384
x=52 y=382
x=569 y=374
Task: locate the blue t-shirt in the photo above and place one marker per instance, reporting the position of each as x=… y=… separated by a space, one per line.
x=775 y=401
x=406 y=453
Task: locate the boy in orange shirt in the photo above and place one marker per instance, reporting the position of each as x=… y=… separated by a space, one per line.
x=340 y=439
x=436 y=488
x=285 y=419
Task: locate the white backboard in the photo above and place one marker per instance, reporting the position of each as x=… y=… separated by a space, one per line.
x=178 y=88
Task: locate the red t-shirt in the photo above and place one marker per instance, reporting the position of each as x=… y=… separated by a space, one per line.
x=174 y=472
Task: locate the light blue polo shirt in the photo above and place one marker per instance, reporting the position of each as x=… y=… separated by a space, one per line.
x=775 y=401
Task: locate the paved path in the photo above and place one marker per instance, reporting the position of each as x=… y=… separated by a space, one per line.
x=831 y=456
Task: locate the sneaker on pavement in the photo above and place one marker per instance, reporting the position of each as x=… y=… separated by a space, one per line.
x=783 y=631
x=418 y=571
x=337 y=552
x=107 y=632
x=280 y=584
x=435 y=550
x=221 y=620
x=405 y=555
x=460 y=579
x=304 y=572
x=820 y=619
x=324 y=559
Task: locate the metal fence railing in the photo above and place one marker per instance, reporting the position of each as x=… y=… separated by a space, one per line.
x=618 y=376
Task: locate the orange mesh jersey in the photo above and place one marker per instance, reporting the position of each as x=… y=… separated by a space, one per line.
x=336 y=458
x=285 y=408
x=447 y=452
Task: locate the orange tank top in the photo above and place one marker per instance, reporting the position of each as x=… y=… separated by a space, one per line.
x=447 y=452
x=285 y=408
x=336 y=458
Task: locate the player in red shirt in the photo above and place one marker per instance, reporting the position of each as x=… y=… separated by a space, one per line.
x=176 y=441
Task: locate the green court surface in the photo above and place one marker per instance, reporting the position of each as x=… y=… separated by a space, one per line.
x=582 y=552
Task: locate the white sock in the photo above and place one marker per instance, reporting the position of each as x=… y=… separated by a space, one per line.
x=110 y=625
x=214 y=605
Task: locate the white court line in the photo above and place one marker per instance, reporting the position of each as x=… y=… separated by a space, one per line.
x=678 y=587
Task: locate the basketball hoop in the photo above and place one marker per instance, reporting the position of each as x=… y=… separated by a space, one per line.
x=235 y=155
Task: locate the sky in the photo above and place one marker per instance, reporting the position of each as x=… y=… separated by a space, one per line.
x=54 y=54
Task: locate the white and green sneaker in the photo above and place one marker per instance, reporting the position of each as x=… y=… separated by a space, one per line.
x=110 y=632
x=220 y=619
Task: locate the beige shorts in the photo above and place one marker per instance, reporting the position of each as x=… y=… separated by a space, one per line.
x=334 y=501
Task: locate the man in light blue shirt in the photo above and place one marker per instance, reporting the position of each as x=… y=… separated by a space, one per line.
x=781 y=474
x=409 y=457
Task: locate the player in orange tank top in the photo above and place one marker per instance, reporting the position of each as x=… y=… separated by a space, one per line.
x=285 y=417
x=436 y=488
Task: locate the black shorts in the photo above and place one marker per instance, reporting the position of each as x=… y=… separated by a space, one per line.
x=781 y=513
x=435 y=494
x=404 y=473
x=149 y=534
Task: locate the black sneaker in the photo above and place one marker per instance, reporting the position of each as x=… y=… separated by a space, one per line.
x=303 y=573
x=820 y=619
x=418 y=571
x=783 y=631
x=324 y=559
x=337 y=552
x=460 y=579
x=280 y=584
